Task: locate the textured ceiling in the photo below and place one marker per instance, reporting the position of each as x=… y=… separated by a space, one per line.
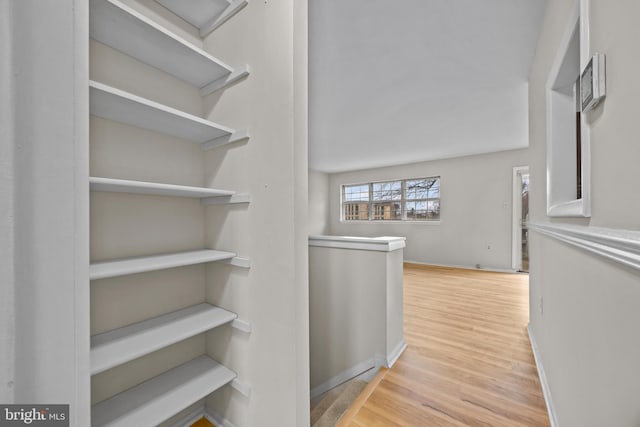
x=394 y=82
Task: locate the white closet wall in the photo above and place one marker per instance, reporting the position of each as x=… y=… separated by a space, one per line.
x=266 y=349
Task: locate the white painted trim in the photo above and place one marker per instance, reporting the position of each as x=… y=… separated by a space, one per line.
x=381 y=244
x=343 y=376
x=241 y=325
x=546 y=391
x=395 y=354
x=379 y=360
x=516 y=210
x=464 y=267
x=241 y=387
x=618 y=245
x=579 y=15
x=237 y=74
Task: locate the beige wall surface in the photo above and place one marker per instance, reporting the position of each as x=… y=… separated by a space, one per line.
x=476 y=210
x=271 y=231
x=348 y=309
x=584 y=312
x=318 y=203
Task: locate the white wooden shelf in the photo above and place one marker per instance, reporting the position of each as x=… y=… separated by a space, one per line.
x=124 y=29
x=115 y=104
x=206 y=15
x=157 y=189
x=158 y=399
x=121 y=267
x=121 y=345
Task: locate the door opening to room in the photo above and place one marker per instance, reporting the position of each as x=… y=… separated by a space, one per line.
x=520 y=252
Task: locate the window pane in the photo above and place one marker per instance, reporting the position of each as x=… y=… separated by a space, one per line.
x=358 y=193
x=417 y=189
x=356 y=211
x=433 y=209
x=387 y=211
x=434 y=189
x=387 y=190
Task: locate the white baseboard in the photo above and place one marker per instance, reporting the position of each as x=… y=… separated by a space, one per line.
x=392 y=358
x=216 y=419
x=205 y=412
x=343 y=376
x=546 y=391
x=190 y=418
x=464 y=267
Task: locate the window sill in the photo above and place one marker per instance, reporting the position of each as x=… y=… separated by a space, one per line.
x=574 y=208
x=342 y=221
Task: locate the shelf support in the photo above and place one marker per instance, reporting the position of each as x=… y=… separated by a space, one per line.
x=227 y=200
x=239 y=135
x=237 y=262
x=243 y=388
x=241 y=325
x=234 y=7
x=237 y=74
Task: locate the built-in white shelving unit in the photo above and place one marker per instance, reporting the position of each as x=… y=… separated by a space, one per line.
x=121 y=345
x=154 y=188
x=116 y=25
x=206 y=15
x=127 y=30
x=121 y=267
x=115 y=104
x=156 y=400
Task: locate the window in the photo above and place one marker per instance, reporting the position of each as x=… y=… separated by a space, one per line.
x=404 y=200
x=568 y=145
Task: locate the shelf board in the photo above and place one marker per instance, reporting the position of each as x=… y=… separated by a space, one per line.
x=156 y=189
x=161 y=397
x=121 y=345
x=206 y=15
x=115 y=104
x=121 y=267
x=122 y=28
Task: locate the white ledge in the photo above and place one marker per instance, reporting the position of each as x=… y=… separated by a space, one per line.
x=157 y=189
x=619 y=245
x=380 y=244
x=161 y=397
x=121 y=345
x=114 y=104
x=124 y=266
x=115 y=24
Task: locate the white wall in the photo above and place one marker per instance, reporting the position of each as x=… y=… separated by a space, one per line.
x=7 y=209
x=46 y=175
x=318 y=203
x=272 y=231
x=587 y=330
x=475 y=225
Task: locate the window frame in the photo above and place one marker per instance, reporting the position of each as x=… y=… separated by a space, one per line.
x=403 y=200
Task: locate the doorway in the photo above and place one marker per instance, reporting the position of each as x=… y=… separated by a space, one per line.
x=520 y=244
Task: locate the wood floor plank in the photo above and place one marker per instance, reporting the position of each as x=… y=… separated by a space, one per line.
x=468 y=361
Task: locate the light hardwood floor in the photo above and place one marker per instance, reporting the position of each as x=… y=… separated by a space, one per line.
x=469 y=361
